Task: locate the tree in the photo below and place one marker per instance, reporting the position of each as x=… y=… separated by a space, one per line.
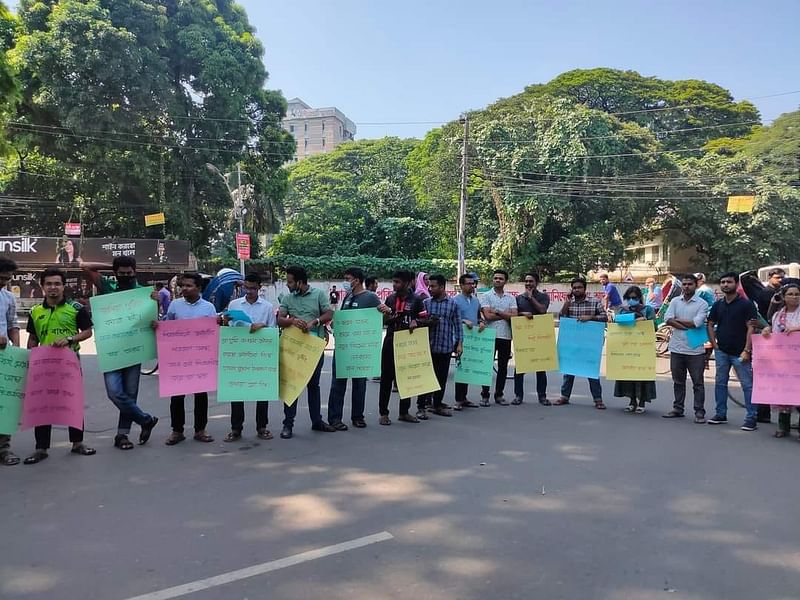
x=9 y=90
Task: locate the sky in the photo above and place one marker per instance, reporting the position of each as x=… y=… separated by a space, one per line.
x=401 y=68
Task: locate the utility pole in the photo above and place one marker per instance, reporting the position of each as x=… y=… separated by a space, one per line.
x=239 y=207
x=462 y=212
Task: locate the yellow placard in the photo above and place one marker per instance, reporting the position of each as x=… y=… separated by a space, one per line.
x=413 y=365
x=154 y=219
x=741 y=204
x=299 y=355
x=534 y=342
x=631 y=352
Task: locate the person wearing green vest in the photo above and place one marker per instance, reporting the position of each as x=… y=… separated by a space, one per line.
x=60 y=323
x=122 y=385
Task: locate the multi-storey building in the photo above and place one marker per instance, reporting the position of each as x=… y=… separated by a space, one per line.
x=316 y=130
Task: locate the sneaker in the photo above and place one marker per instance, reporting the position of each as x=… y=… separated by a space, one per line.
x=673 y=414
x=700 y=419
x=384 y=420
x=422 y=415
x=718 y=420
x=749 y=425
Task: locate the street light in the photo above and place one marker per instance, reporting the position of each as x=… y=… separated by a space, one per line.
x=238 y=204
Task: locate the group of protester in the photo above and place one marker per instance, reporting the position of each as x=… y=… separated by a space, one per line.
x=731 y=323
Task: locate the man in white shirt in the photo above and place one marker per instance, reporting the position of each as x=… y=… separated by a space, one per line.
x=497 y=308
x=260 y=313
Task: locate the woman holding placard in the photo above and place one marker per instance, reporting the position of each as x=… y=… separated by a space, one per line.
x=785 y=321
x=634 y=309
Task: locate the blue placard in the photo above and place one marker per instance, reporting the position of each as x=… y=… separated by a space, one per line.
x=580 y=347
x=697 y=336
x=238 y=315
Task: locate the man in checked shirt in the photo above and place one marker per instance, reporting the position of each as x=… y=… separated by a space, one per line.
x=444 y=321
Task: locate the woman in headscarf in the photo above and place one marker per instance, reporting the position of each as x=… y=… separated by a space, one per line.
x=639 y=392
x=421 y=288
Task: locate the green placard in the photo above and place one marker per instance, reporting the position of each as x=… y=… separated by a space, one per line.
x=123 y=329
x=13 y=370
x=248 y=365
x=358 y=342
x=477 y=361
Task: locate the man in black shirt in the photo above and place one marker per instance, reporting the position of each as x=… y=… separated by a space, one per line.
x=531 y=302
x=400 y=311
x=765 y=298
x=730 y=330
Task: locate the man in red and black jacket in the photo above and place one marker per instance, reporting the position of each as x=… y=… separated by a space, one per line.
x=400 y=311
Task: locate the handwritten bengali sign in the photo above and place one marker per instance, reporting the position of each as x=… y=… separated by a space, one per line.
x=13 y=372
x=776 y=369
x=534 y=343
x=358 y=334
x=53 y=388
x=248 y=364
x=413 y=364
x=122 y=328
x=299 y=356
x=477 y=361
x=631 y=352
x=187 y=356
x=580 y=347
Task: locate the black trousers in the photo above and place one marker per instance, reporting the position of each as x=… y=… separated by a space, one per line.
x=387 y=379
x=237 y=415
x=694 y=364
x=42 y=434
x=177 y=412
x=441 y=366
x=502 y=350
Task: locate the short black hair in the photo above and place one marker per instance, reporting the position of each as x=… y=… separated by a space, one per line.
x=532 y=274
x=356 y=273
x=776 y=271
x=730 y=274
x=196 y=277
x=159 y=285
x=580 y=280
x=123 y=261
x=403 y=275
x=464 y=277
x=633 y=290
x=502 y=272
x=299 y=274
x=440 y=279
x=52 y=272
x=368 y=281
x=689 y=276
x=253 y=278
x=7 y=265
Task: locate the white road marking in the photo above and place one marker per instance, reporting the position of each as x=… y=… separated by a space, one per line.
x=267 y=567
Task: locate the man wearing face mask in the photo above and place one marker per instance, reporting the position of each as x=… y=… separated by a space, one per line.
x=122 y=385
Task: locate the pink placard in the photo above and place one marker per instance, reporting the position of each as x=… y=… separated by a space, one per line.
x=187 y=356
x=53 y=389
x=776 y=369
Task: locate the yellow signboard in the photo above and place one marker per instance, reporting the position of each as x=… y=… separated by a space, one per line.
x=741 y=204
x=413 y=365
x=631 y=352
x=154 y=219
x=299 y=355
x=534 y=343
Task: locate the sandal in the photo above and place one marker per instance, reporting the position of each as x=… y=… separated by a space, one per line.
x=598 y=404
x=147 y=429
x=561 y=401
x=264 y=434
x=408 y=418
x=233 y=436
x=630 y=408
x=176 y=437
x=202 y=436
x=442 y=412
x=421 y=415
x=484 y=402
x=780 y=434
x=123 y=443
x=84 y=450
x=385 y=420
x=9 y=459
x=639 y=410
x=37 y=456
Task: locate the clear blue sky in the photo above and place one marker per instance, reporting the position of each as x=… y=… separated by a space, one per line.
x=383 y=61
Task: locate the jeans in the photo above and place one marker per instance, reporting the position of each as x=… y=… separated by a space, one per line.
x=336 y=397
x=177 y=412
x=594 y=387
x=237 y=415
x=744 y=371
x=42 y=434
x=122 y=387
x=441 y=366
x=312 y=391
x=387 y=378
x=694 y=364
x=541 y=385
x=502 y=349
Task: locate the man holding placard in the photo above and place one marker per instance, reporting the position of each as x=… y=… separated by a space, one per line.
x=122 y=385
x=306 y=308
x=531 y=302
x=687 y=315
x=9 y=332
x=256 y=313
x=61 y=324
x=497 y=308
x=470 y=311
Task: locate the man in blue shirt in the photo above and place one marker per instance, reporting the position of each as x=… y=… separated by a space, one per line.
x=469 y=308
x=612 y=300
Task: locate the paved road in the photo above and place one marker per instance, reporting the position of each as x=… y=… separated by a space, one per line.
x=504 y=502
